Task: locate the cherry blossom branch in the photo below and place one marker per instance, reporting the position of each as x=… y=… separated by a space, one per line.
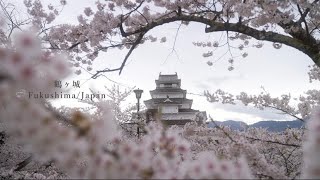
x=135 y=9
x=303 y=20
x=214 y=26
x=273 y=142
x=134 y=45
x=76 y=44
x=23 y=163
x=14 y=24
x=285 y=111
x=220 y=128
x=251 y=138
x=261 y=101
x=173 y=50
x=303 y=15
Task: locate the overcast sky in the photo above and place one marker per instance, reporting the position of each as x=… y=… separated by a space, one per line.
x=278 y=71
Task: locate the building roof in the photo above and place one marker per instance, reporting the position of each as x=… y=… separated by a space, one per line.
x=188 y=110
x=180 y=110
x=165 y=101
x=166 y=90
x=168 y=77
x=176 y=122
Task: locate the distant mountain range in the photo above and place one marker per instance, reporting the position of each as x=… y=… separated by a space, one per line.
x=275 y=126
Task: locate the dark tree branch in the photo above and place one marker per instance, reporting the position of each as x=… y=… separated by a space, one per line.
x=134 y=45
x=273 y=142
x=23 y=163
x=300 y=34
x=316 y=27
x=103 y=71
x=4 y=77
x=303 y=16
x=174 y=44
x=76 y=44
x=135 y=9
x=297 y=42
x=2 y=137
x=285 y=111
x=304 y=20
x=228 y=135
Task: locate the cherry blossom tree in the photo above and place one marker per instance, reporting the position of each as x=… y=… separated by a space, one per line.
x=247 y=23
x=118 y=24
x=298 y=108
x=272 y=155
x=94 y=147
x=118 y=100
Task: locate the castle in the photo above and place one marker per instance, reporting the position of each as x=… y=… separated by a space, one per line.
x=169 y=103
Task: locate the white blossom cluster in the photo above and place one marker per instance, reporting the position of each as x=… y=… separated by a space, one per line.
x=314 y=73
x=220 y=96
x=39 y=14
x=269 y=154
x=92 y=146
x=299 y=108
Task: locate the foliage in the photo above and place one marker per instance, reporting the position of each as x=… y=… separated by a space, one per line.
x=94 y=149
x=117 y=99
x=92 y=146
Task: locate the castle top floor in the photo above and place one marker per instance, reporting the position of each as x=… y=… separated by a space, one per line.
x=170 y=81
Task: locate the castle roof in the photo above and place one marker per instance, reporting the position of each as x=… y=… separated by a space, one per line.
x=168 y=78
x=166 y=101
